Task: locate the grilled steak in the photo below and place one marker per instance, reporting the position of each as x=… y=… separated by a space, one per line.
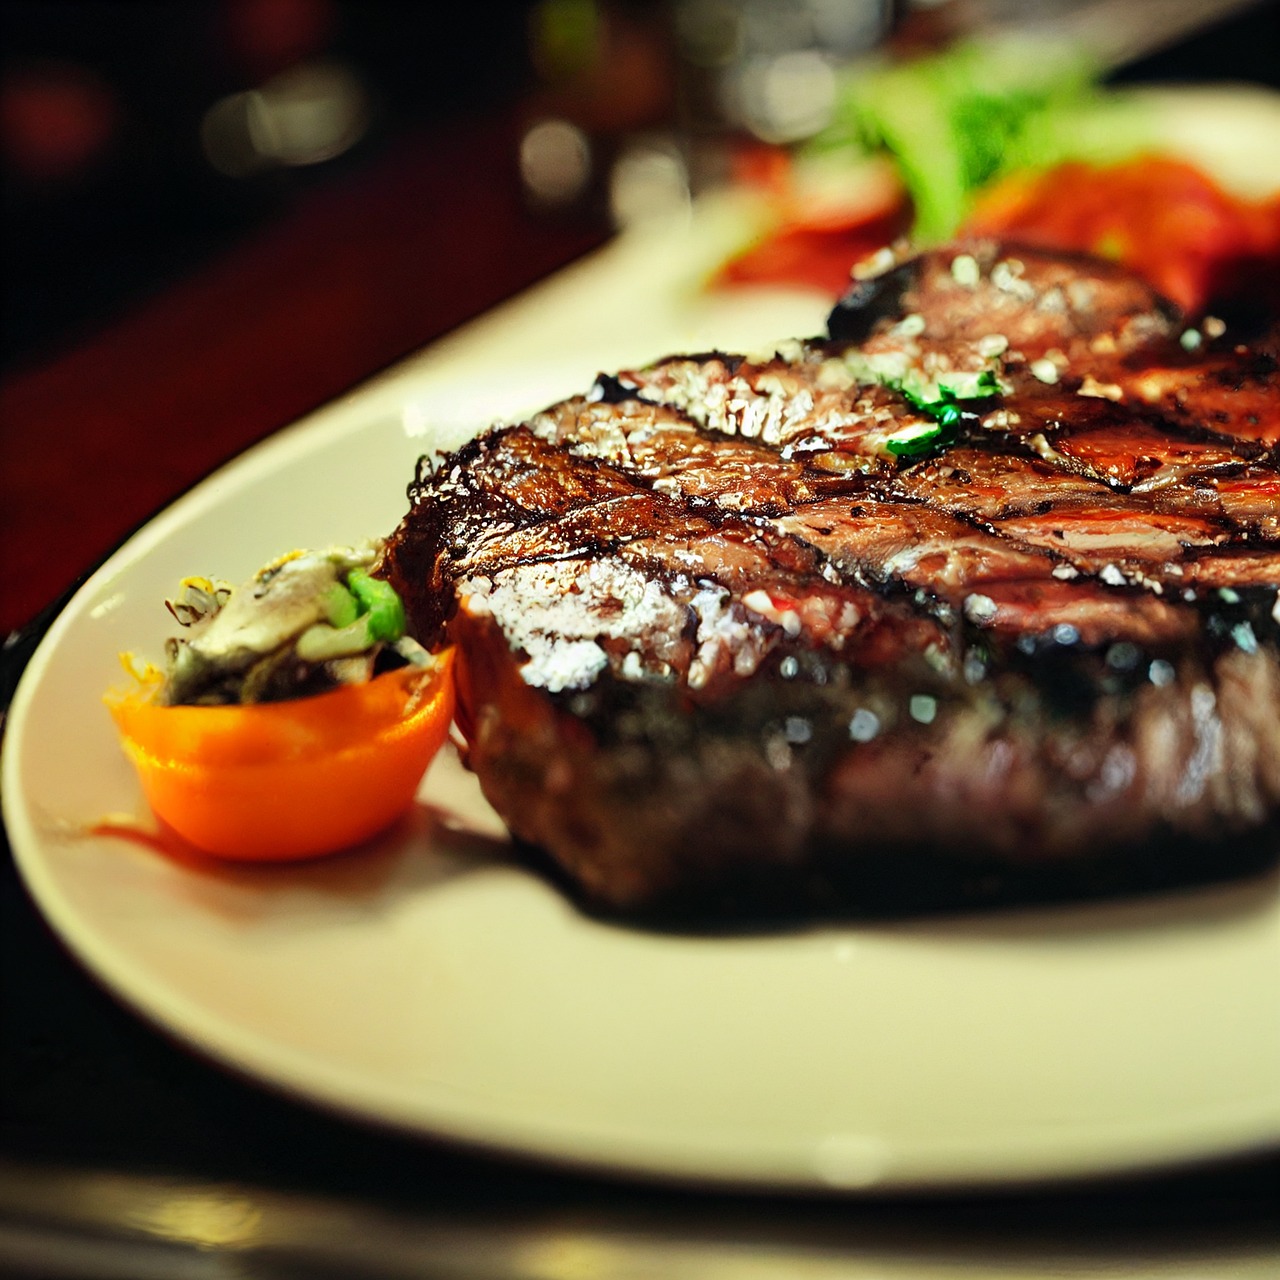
x=975 y=598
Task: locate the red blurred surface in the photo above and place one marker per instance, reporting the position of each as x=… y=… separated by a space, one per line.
x=54 y=120
x=361 y=274
x=1158 y=215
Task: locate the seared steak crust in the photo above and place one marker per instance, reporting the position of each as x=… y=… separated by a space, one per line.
x=977 y=596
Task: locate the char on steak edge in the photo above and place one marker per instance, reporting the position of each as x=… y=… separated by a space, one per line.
x=974 y=600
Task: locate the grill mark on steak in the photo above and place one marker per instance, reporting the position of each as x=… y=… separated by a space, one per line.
x=1236 y=395
x=718 y=642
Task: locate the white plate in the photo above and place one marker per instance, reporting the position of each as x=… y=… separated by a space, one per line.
x=429 y=982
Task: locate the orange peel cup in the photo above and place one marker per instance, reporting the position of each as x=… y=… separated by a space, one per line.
x=280 y=781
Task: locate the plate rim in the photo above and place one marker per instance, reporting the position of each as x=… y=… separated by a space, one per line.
x=341 y=418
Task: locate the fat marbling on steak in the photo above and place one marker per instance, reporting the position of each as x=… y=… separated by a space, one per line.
x=976 y=597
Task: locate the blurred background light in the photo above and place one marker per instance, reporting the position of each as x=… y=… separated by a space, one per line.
x=767 y=67
x=649 y=181
x=564 y=37
x=121 y=122
x=555 y=162
x=709 y=32
x=308 y=114
x=845 y=27
x=786 y=98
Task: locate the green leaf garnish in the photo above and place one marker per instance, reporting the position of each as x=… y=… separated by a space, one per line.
x=340 y=606
x=945 y=410
x=379 y=602
x=918 y=439
x=958 y=120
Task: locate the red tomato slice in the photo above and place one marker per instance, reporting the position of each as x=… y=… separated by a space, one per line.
x=1159 y=216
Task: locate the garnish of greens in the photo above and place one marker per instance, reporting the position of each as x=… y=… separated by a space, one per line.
x=924 y=437
x=956 y=121
x=942 y=403
x=945 y=410
x=308 y=622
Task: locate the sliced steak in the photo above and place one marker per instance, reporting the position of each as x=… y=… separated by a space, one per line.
x=908 y=616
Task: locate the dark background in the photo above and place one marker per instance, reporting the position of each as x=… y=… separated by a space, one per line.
x=107 y=196
x=122 y=200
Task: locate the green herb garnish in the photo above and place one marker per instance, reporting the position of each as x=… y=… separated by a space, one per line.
x=918 y=439
x=943 y=407
x=379 y=602
x=958 y=120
